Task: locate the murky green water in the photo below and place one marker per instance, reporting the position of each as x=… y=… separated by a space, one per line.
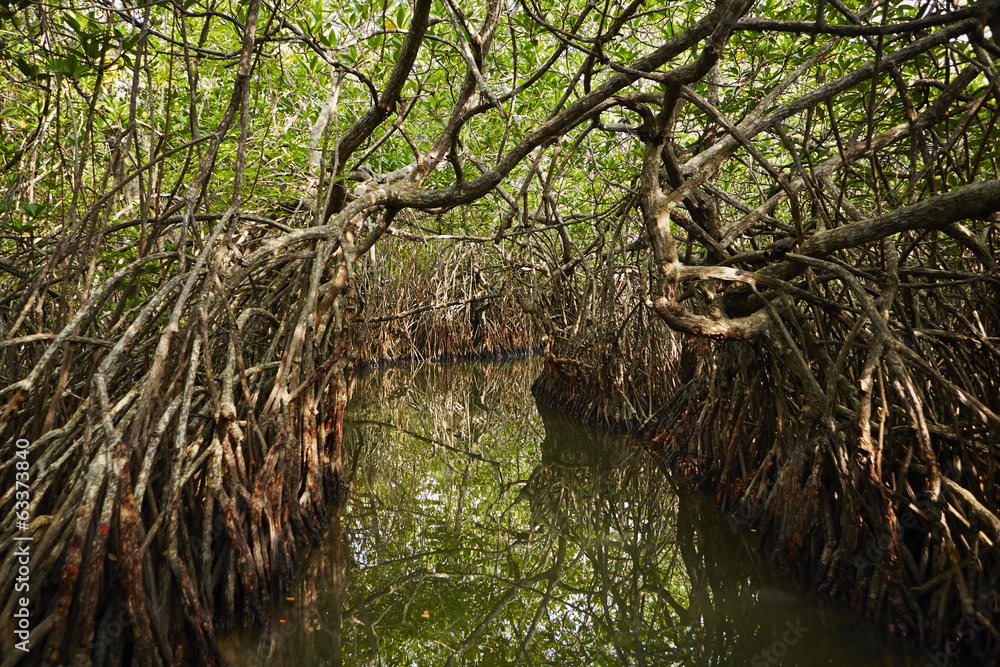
x=479 y=532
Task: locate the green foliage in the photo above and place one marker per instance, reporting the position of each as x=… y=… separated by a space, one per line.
x=129 y=132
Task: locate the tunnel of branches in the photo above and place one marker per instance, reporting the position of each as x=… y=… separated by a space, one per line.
x=763 y=235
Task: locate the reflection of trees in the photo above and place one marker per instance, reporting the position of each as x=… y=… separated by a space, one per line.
x=660 y=574
x=609 y=500
x=467 y=541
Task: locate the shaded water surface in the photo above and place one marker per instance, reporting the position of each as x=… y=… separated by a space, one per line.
x=482 y=531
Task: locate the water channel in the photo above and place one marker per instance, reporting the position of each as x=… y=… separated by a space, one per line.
x=481 y=530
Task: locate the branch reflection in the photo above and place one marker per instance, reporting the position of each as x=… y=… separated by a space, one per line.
x=481 y=530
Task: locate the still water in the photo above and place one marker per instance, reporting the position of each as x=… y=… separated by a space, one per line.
x=481 y=530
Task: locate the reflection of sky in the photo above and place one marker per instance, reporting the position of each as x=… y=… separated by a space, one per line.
x=468 y=498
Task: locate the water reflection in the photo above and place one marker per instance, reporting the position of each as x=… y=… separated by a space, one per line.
x=482 y=532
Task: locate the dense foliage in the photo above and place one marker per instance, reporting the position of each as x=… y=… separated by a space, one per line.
x=197 y=199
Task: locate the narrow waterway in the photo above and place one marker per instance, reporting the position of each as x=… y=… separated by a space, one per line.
x=480 y=531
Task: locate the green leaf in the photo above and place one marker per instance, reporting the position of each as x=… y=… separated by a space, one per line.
x=73 y=23
x=27 y=69
x=130 y=42
x=92 y=48
x=69 y=66
x=33 y=210
x=22 y=227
